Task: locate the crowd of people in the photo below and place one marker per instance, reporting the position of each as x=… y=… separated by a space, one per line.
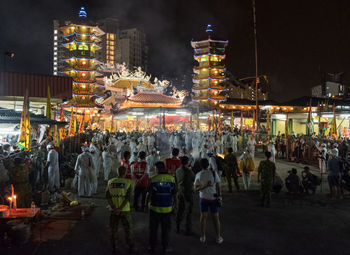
x=161 y=171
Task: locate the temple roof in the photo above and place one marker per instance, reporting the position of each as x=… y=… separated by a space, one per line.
x=154 y=98
x=144 y=99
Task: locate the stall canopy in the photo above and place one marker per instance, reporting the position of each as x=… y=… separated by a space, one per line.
x=14 y=117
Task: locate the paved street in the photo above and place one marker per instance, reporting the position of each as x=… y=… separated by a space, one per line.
x=311 y=225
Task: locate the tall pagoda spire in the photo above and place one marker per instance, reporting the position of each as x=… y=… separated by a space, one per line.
x=81 y=43
x=82 y=12
x=210 y=73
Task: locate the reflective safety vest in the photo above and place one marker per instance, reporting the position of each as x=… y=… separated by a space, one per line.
x=139 y=170
x=172 y=164
x=161 y=192
x=118 y=188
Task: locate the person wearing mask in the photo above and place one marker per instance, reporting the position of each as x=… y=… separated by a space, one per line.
x=231 y=169
x=162 y=198
x=118 y=194
x=185 y=179
x=207 y=182
x=140 y=176
x=266 y=175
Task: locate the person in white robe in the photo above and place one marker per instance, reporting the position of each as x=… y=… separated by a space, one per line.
x=107 y=162
x=151 y=161
x=142 y=146
x=251 y=146
x=150 y=142
x=84 y=169
x=271 y=148
x=96 y=156
x=188 y=140
x=234 y=141
x=53 y=169
x=94 y=174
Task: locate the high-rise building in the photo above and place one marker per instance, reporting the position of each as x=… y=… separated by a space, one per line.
x=80 y=42
x=210 y=74
x=109 y=44
x=132 y=48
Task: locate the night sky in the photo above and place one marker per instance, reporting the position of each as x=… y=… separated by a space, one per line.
x=296 y=38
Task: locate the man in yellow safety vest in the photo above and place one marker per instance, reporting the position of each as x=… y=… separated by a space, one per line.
x=118 y=194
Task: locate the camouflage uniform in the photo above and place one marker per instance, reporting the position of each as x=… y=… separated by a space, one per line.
x=267 y=170
x=231 y=168
x=185 y=179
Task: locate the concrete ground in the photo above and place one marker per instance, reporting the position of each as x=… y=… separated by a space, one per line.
x=310 y=225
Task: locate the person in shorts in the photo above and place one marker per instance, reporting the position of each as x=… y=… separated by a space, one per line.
x=207 y=182
x=334 y=170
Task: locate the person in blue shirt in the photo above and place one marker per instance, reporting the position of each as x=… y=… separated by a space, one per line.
x=162 y=197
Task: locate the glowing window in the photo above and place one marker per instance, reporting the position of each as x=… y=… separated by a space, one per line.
x=55 y=58
x=55 y=53
x=55 y=63
x=55 y=68
x=55 y=43
x=54 y=73
x=55 y=37
x=54 y=48
x=55 y=31
x=83 y=47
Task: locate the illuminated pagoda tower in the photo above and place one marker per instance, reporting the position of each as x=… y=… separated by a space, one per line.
x=210 y=74
x=81 y=40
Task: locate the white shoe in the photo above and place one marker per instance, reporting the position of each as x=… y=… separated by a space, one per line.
x=220 y=240
x=202 y=239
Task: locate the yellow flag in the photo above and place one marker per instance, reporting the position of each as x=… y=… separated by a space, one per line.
x=71 y=130
x=24 y=140
x=56 y=139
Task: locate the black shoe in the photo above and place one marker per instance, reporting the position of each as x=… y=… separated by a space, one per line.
x=168 y=249
x=132 y=249
x=151 y=249
x=114 y=248
x=177 y=229
x=189 y=233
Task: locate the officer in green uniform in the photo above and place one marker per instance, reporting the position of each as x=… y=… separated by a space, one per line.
x=118 y=194
x=162 y=196
x=231 y=169
x=266 y=174
x=185 y=180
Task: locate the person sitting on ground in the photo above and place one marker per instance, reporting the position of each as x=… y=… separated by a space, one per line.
x=293 y=182
x=309 y=181
x=278 y=184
